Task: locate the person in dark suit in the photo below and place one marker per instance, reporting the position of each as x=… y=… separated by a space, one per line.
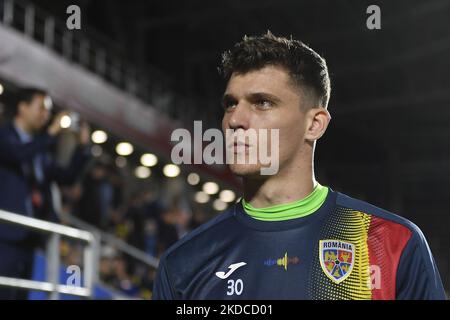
x=27 y=171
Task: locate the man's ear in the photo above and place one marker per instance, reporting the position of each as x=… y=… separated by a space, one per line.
x=317 y=123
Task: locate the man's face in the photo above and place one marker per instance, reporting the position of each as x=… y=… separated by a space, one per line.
x=265 y=99
x=36 y=113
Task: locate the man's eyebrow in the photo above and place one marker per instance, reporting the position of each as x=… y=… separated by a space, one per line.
x=252 y=96
x=227 y=97
x=262 y=95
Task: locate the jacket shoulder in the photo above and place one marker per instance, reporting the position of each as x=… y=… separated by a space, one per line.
x=199 y=233
x=346 y=201
x=7 y=129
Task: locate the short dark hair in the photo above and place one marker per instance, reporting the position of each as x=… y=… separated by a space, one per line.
x=305 y=66
x=26 y=95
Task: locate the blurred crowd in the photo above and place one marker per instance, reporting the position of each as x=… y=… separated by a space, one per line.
x=143 y=219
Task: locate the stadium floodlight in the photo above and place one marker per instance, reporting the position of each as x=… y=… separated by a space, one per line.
x=99 y=136
x=96 y=151
x=142 y=172
x=124 y=149
x=219 y=205
x=171 y=170
x=149 y=160
x=65 y=122
x=121 y=162
x=211 y=188
x=227 y=196
x=193 y=179
x=201 y=197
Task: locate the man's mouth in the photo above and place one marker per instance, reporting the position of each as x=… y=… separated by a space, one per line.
x=240 y=146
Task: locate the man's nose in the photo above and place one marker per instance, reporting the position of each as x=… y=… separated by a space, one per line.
x=240 y=117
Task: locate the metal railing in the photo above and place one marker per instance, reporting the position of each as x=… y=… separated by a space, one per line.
x=116 y=243
x=113 y=241
x=52 y=285
x=92 y=236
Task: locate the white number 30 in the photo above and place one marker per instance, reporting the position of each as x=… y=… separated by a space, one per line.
x=235 y=287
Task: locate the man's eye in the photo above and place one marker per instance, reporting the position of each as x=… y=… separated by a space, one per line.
x=229 y=104
x=265 y=104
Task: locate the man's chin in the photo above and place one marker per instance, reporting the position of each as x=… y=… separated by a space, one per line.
x=246 y=171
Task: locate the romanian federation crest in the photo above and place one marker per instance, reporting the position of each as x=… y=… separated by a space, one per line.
x=336 y=259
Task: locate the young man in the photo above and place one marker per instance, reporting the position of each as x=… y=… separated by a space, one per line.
x=290 y=237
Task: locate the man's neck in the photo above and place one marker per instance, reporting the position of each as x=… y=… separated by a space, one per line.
x=284 y=187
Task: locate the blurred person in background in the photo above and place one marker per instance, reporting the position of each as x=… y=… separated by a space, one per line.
x=100 y=196
x=153 y=209
x=167 y=231
x=106 y=271
x=2 y=114
x=94 y=206
x=122 y=278
x=199 y=217
x=135 y=214
x=147 y=282
x=27 y=171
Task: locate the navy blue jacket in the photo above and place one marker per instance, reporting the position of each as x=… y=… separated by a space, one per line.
x=15 y=186
x=347 y=249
